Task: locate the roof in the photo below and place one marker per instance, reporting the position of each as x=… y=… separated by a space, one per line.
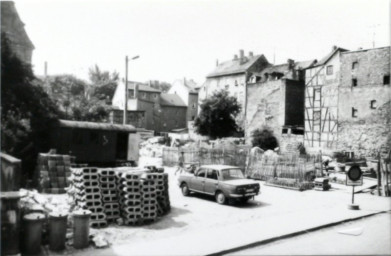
x=219 y=166
x=365 y=50
x=97 y=126
x=325 y=59
x=171 y=100
x=234 y=67
x=142 y=87
x=189 y=84
x=305 y=64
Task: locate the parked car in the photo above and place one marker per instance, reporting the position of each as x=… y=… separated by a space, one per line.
x=224 y=182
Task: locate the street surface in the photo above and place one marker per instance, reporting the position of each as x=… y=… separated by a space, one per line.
x=375 y=239
x=197 y=225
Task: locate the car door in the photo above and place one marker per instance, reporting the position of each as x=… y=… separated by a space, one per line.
x=198 y=182
x=211 y=181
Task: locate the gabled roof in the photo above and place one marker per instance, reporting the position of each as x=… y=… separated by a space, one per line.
x=326 y=58
x=234 y=67
x=171 y=100
x=142 y=87
x=189 y=84
x=305 y=64
x=97 y=126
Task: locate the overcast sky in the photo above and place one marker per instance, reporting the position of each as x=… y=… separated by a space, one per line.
x=183 y=38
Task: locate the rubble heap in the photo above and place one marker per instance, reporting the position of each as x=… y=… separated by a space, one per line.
x=53 y=172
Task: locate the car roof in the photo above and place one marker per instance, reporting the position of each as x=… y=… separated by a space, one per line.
x=219 y=166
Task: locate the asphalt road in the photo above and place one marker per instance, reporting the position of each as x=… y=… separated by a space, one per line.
x=375 y=239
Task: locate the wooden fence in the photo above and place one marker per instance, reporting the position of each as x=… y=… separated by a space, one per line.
x=203 y=156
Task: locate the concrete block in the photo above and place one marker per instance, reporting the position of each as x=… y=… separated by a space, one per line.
x=98 y=223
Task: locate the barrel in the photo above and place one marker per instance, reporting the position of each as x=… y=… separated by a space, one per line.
x=32 y=235
x=57 y=231
x=81 y=228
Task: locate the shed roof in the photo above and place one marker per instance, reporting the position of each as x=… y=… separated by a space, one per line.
x=142 y=87
x=97 y=126
x=234 y=66
x=171 y=100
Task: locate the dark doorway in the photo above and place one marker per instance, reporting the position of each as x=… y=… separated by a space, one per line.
x=122 y=146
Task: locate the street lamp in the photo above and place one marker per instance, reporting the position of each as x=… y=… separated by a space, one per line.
x=126 y=86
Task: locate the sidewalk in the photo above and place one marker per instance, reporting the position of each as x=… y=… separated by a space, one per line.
x=225 y=239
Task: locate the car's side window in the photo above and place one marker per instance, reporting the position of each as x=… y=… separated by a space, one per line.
x=212 y=174
x=201 y=173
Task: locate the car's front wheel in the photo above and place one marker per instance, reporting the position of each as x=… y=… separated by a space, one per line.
x=220 y=198
x=185 y=189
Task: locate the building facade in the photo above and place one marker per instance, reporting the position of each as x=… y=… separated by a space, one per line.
x=233 y=75
x=13 y=27
x=187 y=90
x=347 y=106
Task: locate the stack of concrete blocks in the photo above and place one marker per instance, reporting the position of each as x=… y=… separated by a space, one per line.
x=108 y=188
x=130 y=196
x=54 y=171
x=163 y=199
x=148 y=186
x=88 y=194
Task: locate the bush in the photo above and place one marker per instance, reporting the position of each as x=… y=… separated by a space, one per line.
x=264 y=138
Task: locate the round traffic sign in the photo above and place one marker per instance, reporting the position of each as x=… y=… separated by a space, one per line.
x=354 y=173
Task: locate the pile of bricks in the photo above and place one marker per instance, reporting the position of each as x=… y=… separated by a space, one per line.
x=54 y=171
x=88 y=194
x=108 y=186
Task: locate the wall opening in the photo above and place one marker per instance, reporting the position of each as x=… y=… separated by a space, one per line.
x=354 y=82
x=329 y=70
x=354 y=112
x=386 y=80
x=354 y=65
x=373 y=104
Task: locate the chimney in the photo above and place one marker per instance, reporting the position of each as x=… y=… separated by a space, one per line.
x=359 y=48
x=334 y=48
x=250 y=54
x=241 y=55
x=291 y=63
x=235 y=57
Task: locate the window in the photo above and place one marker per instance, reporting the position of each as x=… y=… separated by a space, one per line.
x=144 y=95
x=354 y=82
x=373 y=104
x=386 y=80
x=154 y=95
x=329 y=70
x=201 y=173
x=212 y=174
x=354 y=65
x=354 y=112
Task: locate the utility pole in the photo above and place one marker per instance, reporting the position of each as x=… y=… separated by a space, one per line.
x=126 y=89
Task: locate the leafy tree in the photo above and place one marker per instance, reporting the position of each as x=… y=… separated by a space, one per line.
x=264 y=138
x=103 y=83
x=27 y=113
x=217 y=116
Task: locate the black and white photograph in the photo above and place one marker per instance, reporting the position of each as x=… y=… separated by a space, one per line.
x=195 y=127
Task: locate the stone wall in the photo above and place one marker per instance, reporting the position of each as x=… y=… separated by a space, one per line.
x=368 y=128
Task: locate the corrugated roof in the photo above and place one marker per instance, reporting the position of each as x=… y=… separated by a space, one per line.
x=234 y=66
x=171 y=100
x=97 y=126
x=142 y=87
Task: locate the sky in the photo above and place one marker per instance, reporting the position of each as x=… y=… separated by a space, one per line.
x=184 y=38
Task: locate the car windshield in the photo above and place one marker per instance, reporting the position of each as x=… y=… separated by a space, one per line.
x=232 y=174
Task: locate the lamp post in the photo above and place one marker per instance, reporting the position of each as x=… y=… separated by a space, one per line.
x=126 y=86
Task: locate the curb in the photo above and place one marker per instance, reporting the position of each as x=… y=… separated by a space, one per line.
x=301 y=232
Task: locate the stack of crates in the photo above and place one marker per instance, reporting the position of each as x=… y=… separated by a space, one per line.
x=108 y=188
x=88 y=194
x=54 y=171
x=130 y=196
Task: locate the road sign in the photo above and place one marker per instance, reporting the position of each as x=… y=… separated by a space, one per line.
x=354 y=176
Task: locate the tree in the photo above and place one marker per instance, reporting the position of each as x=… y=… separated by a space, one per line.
x=103 y=83
x=27 y=113
x=217 y=116
x=264 y=138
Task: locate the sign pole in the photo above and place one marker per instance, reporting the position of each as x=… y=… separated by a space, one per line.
x=353 y=195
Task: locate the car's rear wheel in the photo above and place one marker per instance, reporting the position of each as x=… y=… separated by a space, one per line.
x=185 y=189
x=220 y=198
